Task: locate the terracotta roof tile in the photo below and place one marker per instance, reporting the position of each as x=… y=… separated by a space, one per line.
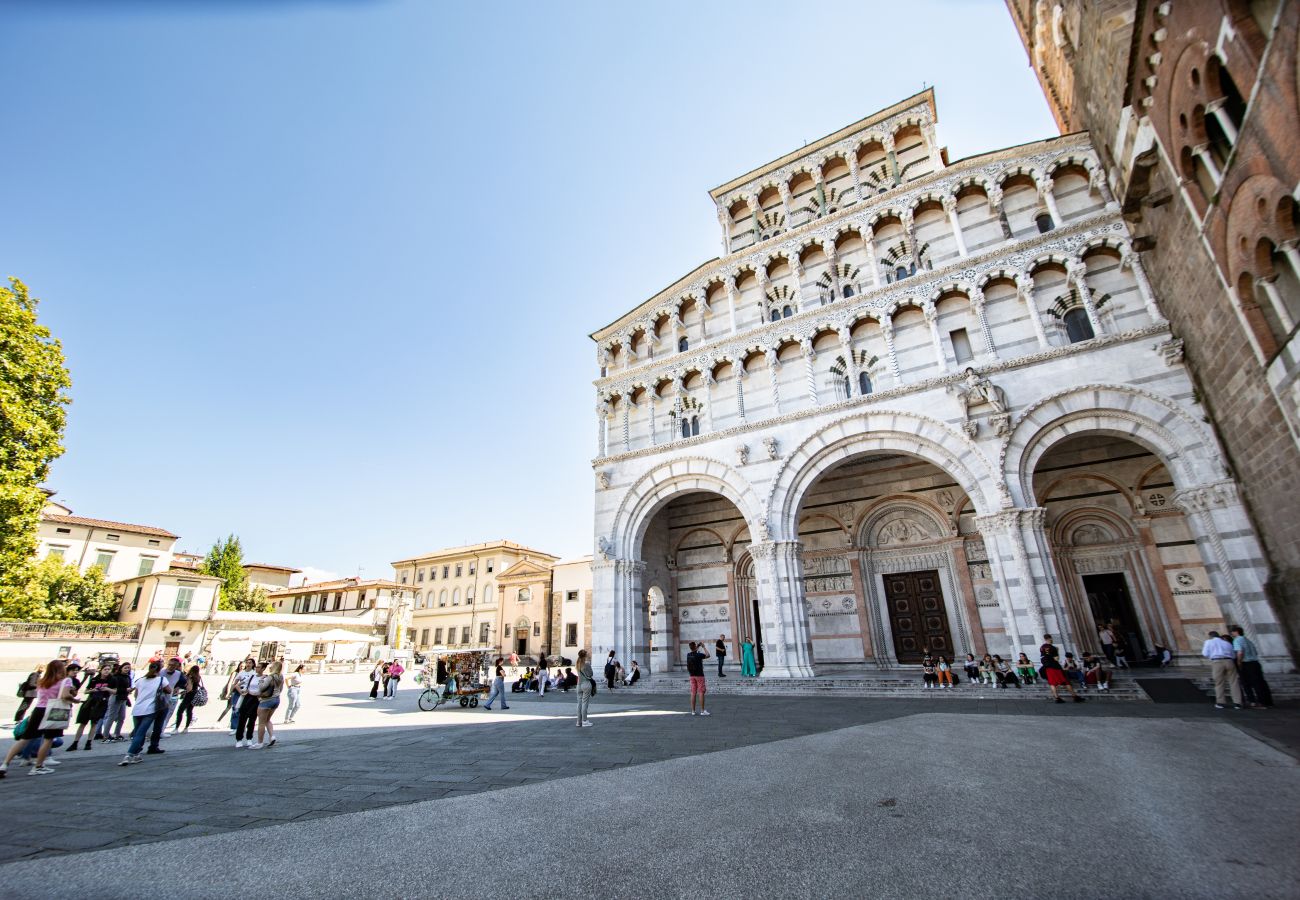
x=104 y=523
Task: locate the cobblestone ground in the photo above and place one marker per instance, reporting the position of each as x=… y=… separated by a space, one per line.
x=395 y=755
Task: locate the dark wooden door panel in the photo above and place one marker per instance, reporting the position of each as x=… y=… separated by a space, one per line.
x=917 y=616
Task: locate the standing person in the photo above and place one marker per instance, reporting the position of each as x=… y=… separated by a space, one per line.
x=695 y=669
x=720 y=651
x=586 y=688
x=1050 y=658
x=268 y=700
x=174 y=683
x=1250 y=671
x=250 y=689
x=1223 y=666
x=27 y=690
x=235 y=691
x=193 y=681
x=498 y=685
x=376 y=679
x=1121 y=659
x=748 y=663
x=385 y=672
x=1107 y=638
x=148 y=690
x=395 y=671
x=99 y=687
x=118 y=703
x=294 y=691
x=55 y=692
x=542 y=674
x=611 y=669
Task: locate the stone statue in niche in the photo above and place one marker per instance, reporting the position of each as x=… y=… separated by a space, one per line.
x=975 y=390
x=742 y=455
x=903 y=531
x=602 y=478
x=772 y=448
x=1085 y=535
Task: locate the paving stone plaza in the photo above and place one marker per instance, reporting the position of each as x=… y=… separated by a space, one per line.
x=771 y=796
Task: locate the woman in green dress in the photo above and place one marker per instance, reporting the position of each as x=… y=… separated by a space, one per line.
x=747 y=664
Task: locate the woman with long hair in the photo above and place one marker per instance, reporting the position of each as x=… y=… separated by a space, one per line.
x=498 y=685
x=193 y=679
x=586 y=687
x=268 y=700
x=150 y=694
x=54 y=691
x=99 y=687
x=295 y=694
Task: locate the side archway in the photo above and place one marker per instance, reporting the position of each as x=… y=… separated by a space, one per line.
x=1146 y=418
x=881 y=432
x=661 y=484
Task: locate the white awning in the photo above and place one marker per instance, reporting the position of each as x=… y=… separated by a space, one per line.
x=343 y=636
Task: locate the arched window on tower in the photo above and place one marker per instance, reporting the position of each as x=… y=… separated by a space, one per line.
x=864 y=383
x=900 y=273
x=1077 y=326
x=682 y=344
x=848 y=291
x=776 y=315
x=786 y=312
x=1044 y=223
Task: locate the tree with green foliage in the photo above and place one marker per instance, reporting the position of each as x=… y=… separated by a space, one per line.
x=33 y=396
x=226 y=561
x=59 y=591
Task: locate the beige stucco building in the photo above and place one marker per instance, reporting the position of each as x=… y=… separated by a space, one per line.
x=120 y=549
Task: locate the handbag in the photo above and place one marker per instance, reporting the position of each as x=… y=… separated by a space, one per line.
x=201 y=696
x=20 y=730
x=58 y=715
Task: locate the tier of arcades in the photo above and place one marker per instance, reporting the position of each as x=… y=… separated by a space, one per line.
x=870 y=162
x=964 y=213
x=1035 y=291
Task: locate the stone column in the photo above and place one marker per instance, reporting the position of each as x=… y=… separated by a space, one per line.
x=618 y=609
x=852 y=159
x=1269 y=287
x=602 y=425
x=1025 y=287
x=806 y=347
x=1202 y=152
x=995 y=206
x=738 y=366
x=850 y=361
x=796 y=268
x=1048 y=198
x=1078 y=273
x=887 y=329
x=977 y=302
x=832 y=266
x=730 y=285
x=627 y=412
x=869 y=238
x=1129 y=258
x=1234 y=562
x=891 y=159
x=819 y=191
x=1215 y=108
x=763 y=286
x=950 y=207
x=909 y=236
x=756 y=210
x=653 y=394
x=779 y=575
x=724 y=219
x=863 y=604
x=772 y=364
x=1004 y=537
x=932 y=319
x=784 y=189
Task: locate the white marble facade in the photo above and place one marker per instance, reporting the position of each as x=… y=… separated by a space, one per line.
x=914 y=405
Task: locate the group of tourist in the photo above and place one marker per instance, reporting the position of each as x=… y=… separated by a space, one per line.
x=385 y=676
x=1236 y=669
x=253 y=693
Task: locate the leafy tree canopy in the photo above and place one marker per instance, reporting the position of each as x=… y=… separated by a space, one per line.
x=226 y=561
x=33 y=397
x=59 y=591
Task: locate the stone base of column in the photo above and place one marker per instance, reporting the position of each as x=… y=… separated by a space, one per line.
x=787 y=672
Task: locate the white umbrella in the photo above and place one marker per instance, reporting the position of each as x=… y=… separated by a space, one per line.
x=342 y=635
x=271 y=633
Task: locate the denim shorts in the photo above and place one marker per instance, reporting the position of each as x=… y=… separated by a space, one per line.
x=269 y=703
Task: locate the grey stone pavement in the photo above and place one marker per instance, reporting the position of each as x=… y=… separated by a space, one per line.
x=768 y=797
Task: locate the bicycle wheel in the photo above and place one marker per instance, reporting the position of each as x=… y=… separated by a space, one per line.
x=428 y=700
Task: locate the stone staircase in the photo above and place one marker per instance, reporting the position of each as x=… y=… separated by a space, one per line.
x=876 y=685
x=1284 y=686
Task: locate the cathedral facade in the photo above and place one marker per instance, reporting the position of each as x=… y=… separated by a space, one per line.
x=915 y=406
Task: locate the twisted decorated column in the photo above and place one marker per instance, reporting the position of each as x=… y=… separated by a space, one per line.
x=1025 y=287
x=778 y=566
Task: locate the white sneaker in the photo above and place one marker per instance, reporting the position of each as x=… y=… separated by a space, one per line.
x=257 y=746
x=53 y=762
x=586 y=724
x=705 y=712
x=41 y=770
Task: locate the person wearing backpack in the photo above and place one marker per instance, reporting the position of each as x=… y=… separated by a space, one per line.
x=27 y=690
x=193 y=684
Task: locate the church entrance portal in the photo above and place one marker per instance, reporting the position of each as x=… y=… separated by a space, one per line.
x=917 y=616
x=1111 y=604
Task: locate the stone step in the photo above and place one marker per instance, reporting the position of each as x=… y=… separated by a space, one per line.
x=883 y=686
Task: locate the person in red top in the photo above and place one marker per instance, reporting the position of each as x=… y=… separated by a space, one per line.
x=1049 y=657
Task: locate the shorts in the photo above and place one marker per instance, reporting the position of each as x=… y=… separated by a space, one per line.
x=699 y=685
x=269 y=703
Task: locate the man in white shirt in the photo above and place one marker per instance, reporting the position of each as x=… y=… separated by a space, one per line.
x=1223 y=666
x=173 y=680
x=1107 y=638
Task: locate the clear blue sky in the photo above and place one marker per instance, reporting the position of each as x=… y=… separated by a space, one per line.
x=324 y=271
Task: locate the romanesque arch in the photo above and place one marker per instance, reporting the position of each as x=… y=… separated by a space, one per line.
x=1156 y=422
x=661 y=484
x=880 y=431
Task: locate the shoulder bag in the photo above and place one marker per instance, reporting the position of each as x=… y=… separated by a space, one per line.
x=200 y=696
x=58 y=715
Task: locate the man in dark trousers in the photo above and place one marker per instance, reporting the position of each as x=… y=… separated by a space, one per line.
x=720 y=650
x=1253 y=685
